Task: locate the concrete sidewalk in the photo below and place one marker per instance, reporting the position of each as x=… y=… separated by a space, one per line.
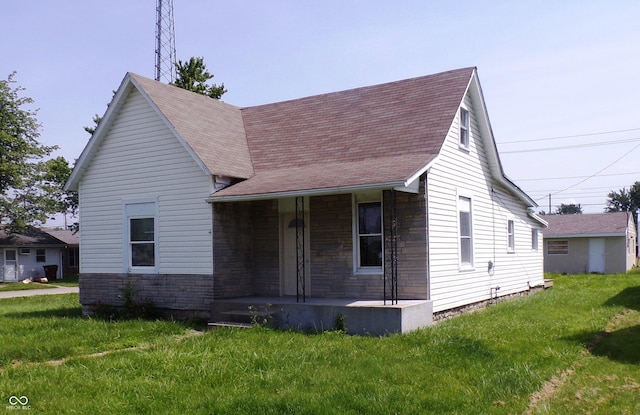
x=40 y=291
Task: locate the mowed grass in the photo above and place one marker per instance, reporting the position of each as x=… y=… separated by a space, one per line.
x=571 y=349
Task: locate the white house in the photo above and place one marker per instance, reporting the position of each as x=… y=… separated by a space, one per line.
x=27 y=254
x=384 y=204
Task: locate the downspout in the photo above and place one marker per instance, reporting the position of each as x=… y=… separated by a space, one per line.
x=428 y=258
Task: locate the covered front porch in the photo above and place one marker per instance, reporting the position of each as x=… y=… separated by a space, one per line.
x=360 y=256
x=365 y=317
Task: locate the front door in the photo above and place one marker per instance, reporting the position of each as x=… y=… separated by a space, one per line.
x=597 y=255
x=289 y=274
x=10 y=265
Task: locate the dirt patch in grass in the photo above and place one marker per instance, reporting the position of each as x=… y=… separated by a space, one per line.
x=598 y=346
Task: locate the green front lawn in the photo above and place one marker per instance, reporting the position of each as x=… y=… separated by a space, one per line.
x=572 y=349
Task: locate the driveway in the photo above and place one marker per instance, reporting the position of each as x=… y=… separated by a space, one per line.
x=43 y=291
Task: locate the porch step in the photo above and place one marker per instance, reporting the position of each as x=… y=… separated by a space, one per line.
x=548 y=283
x=229 y=324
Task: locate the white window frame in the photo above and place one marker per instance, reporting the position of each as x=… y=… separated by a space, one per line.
x=461 y=206
x=535 y=240
x=368 y=197
x=511 y=235
x=464 y=138
x=140 y=209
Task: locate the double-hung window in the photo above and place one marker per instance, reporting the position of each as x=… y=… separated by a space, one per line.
x=142 y=242
x=464 y=128
x=465 y=232
x=368 y=233
x=41 y=255
x=511 y=237
x=141 y=237
x=534 y=239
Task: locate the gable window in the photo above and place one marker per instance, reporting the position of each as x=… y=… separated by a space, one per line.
x=41 y=255
x=141 y=237
x=511 y=238
x=558 y=247
x=464 y=128
x=465 y=232
x=534 y=239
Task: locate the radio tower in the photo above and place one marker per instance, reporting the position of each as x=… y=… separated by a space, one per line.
x=165 y=42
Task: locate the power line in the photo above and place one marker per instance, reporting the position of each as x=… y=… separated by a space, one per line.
x=599 y=171
x=578 y=177
x=583 y=145
x=569 y=136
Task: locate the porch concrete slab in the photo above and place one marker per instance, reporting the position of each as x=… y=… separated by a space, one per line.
x=372 y=317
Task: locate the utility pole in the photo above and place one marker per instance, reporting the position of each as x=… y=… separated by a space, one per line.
x=165 y=42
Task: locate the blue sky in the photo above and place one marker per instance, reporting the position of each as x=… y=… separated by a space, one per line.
x=548 y=69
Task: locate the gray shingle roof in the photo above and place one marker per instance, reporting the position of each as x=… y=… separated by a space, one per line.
x=32 y=237
x=614 y=223
x=365 y=136
x=213 y=129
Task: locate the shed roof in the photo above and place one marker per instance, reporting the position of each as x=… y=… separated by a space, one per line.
x=32 y=237
x=588 y=224
x=64 y=235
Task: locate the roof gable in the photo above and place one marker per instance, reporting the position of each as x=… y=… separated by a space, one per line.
x=211 y=131
x=588 y=224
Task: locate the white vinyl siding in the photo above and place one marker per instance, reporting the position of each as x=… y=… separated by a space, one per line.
x=458 y=173
x=139 y=158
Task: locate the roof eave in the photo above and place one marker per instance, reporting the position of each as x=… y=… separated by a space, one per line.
x=585 y=235
x=306 y=192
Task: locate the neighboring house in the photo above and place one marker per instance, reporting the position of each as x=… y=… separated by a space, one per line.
x=25 y=255
x=71 y=251
x=383 y=204
x=600 y=243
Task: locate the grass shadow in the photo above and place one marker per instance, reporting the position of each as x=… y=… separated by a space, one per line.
x=619 y=345
x=620 y=342
x=628 y=298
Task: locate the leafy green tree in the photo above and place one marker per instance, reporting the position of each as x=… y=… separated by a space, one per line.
x=30 y=188
x=569 y=209
x=19 y=132
x=625 y=200
x=193 y=76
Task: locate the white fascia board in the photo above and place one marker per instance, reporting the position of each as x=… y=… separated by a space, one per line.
x=413 y=181
x=490 y=142
x=583 y=235
x=539 y=219
x=103 y=126
x=298 y=193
